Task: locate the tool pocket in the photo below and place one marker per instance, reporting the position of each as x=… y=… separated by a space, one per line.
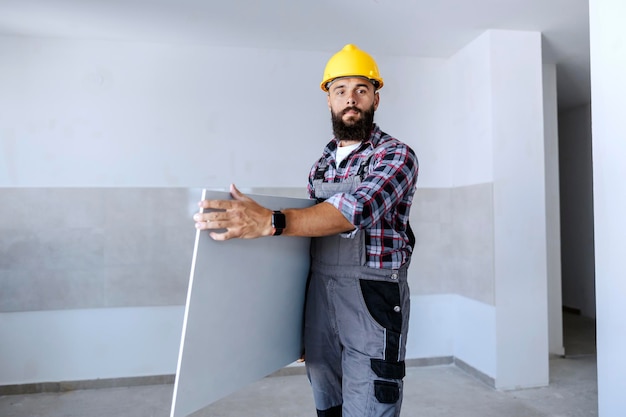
x=382 y=300
x=386 y=392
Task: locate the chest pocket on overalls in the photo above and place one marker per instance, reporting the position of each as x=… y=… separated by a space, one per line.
x=324 y=190
x=329 y=250
x=337 y=249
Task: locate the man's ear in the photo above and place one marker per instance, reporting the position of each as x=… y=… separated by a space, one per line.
x=376 y=100
x=328 y=101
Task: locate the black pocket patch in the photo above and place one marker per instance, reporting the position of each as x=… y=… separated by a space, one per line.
x=386 y=392
x=382 y=299
x=388 y=369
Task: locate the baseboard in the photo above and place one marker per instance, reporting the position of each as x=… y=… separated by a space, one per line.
x=475 y=373
x=435 y=361
x=290 y=370
x=65 y=386
x=293 y=369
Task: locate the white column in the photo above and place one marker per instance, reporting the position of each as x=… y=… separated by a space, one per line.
x=553 y=212
x=519 y=210
x=608 y=66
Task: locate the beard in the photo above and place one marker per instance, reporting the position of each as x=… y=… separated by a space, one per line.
x=360 y=129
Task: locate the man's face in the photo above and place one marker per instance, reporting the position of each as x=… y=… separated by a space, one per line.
x=352 y=103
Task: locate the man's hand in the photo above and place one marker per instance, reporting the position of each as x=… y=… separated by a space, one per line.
x=242 y=217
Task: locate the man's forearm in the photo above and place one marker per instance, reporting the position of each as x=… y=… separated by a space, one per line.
x=244 y=218
x=319 y=220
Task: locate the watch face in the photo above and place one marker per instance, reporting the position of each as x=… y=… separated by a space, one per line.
x=278 y=220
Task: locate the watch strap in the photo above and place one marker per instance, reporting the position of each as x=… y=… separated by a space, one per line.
x=279 y=222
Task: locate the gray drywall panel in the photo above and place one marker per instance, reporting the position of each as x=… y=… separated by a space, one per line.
x=243 y=318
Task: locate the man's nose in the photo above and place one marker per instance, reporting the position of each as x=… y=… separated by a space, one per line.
x=350 y=99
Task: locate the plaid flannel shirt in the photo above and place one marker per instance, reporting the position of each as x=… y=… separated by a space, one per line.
x=381 y=203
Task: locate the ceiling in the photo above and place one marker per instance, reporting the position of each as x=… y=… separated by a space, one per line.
x=428 y=28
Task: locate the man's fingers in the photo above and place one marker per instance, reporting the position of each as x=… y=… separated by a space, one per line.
x=238 y=195
x=240 y=217
x=215 y=204
x=234 y=191
x=227 y=215
x=226 y=234
x=211 y=220
x=219 y=236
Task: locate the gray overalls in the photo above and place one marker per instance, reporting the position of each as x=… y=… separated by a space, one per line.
x=356 y=322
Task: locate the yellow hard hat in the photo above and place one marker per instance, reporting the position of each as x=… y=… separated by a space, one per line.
x=351 y=62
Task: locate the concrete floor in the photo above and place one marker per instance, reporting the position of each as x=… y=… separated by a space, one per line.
x=434 y=391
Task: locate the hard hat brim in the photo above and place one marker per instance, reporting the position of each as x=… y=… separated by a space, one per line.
x=377 y=83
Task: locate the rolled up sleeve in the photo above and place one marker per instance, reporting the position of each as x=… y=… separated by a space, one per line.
x=392 y=175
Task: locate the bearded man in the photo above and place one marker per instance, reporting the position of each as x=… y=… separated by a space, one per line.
x=357 y=305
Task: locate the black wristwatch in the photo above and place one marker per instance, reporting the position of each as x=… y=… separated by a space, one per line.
x=278 y=222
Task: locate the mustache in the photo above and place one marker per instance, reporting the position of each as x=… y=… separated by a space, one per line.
x=351 y=108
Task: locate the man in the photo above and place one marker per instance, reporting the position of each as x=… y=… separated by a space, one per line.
x=357 y=306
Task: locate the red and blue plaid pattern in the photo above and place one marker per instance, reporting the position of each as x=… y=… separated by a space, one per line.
x=381 y=203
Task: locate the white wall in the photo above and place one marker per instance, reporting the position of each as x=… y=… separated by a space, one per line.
x=553 y=213
x=415 y=107
x=75 y=345
x=519 y=210
x=608 y=66
x=452 y=325
x=471 y=114
x=89 y=113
